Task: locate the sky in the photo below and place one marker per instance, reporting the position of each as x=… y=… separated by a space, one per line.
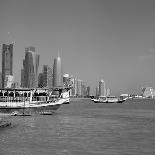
x=113 y=40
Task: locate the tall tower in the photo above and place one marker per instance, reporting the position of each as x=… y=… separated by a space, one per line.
x=7 y=62
x=30 y=65
x=57 y=73
x=102 y=89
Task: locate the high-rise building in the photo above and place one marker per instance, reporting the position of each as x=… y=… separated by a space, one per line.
x=97 y=91
x=148 y=92
x=7 y=62
x=40 y=80
x=79 y=88
x=72 y=90
x=84 y=90
x=66 y=79
x=57 y=73
x=9 y=80
x=108 y=91
x=102 y=88
x=74 y=86
x=47 y=76
x=30 y=67
x=88 y=91
x=22 y=78
x=0 y=79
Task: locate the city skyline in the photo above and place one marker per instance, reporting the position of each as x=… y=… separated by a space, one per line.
x=111 y=40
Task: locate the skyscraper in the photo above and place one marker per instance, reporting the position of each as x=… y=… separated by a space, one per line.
x=148 y=92
x=97 y=91
x=0 y=79
x=57 y=73
x=79 y=88
x=88 y=91
x=102 y=89
x=74 y=85
x=47 y=76
x=30 y=66
x=40 y=80
x=22 y=78
x=7 y=62
x=66 y=78
x=108 y=91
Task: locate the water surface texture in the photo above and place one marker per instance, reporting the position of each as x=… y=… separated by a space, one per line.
x=84 y=128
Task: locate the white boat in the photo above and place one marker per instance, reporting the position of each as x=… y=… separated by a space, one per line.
x=108 y=99
x=31 y=101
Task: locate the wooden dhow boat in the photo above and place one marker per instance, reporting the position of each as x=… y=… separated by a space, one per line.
x=32 y=101
x=108 y=99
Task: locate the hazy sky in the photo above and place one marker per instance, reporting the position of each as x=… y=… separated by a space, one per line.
x=112 y=40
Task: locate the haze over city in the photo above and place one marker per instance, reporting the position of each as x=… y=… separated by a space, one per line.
x=112 y=40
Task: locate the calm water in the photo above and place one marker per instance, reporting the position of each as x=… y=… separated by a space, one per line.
x=84 y=128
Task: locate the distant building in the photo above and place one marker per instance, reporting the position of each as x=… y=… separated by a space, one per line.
x=9 y=80
x=73 y=91
x=66 y=78
x=15 y=85
x=79 y=88
x=7 y=62
x=22 y=78
x=30 y=68
x=84 y=90
x=0 y=79
x=68 y=81
x=108 y=92
x=102 y=88
x=75 y=86
x=47 y=76
x=57 y=73
x=148 y=92
x=40 y=80
x=97 y=91
x=88 y=91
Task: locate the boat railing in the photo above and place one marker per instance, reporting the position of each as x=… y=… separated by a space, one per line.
x=10 y=101
x=6 y=101
x=14 y=99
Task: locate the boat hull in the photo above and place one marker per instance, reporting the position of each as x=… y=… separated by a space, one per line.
x=107 y=101
x=29 y=110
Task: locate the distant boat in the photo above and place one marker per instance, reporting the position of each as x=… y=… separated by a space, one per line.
x=108 y=99
x=31 y=101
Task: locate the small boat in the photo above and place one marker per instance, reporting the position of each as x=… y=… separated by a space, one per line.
x=31 y=101
x=108 y=99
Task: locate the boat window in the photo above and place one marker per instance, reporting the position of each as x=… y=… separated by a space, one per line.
x=36 y=94
x=16 y=94
x=25 y=94
x=6 y=94
x=11 y=94
x=29 y=94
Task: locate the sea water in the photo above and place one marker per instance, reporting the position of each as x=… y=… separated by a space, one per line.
x=84 y=128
